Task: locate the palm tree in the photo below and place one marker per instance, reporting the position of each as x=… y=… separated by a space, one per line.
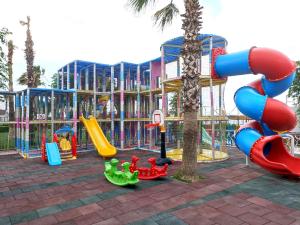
x=191 y=24
x=11 y=89
x=294 y=90
x=4 y=32
x=36 y=81
x=29 y=53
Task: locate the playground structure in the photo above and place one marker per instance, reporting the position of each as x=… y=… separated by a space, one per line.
x=122 y=98
x=66 y=140
x=260 y=139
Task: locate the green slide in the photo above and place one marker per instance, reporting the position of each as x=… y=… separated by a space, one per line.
x=206 y=138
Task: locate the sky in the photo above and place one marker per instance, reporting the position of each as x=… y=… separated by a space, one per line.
x=110 y=32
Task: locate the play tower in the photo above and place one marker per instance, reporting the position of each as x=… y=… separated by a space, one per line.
x=122 y=98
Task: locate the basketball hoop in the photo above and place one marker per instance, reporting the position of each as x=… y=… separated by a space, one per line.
x=158 y=117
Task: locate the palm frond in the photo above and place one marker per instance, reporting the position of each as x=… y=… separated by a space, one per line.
x=166 y=15
x=38 y=73
x=22 y=80
x=138 y=5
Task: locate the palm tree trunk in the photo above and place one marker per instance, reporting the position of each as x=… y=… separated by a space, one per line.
x=11 y=115
x=191 y=89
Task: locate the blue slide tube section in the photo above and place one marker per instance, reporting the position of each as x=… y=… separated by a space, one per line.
x=245 y=139
x=233 y=64
x=275 y=88
x=266 y=130
x=245 y=98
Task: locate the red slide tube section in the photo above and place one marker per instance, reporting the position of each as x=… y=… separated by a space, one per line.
x=270 y=152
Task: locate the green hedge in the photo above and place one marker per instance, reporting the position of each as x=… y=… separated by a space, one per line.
x=4 y=128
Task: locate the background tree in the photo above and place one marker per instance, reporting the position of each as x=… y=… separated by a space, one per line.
x=38 y=73
x=294 y=90
x=191 y=24
x=54 y=80
x=29 y=54
x=3 y=61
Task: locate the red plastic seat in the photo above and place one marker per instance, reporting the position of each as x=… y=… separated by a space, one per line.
x=148 y=173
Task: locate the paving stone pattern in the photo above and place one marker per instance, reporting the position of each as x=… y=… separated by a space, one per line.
x=31 y=192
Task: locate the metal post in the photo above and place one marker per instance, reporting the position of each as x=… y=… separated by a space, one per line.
x=52 y=114
x=79 y=80
x=163 y=77
x=27 y=123
x=46 y=113
x=62 y=78
x=211 y=99
x=200 y=124
x=112 y=108
x=178 y=104
x=138 y=105
x=18 y=121
x=220 y=114
x=75 y=100
x=22 y=122
x=122 y=113
x=104 y=81
x=87 y=79
x=178 y=66
x=150 y=107
x=247 y=160
x=94 y=89
x=178 y=115
x=68 y=76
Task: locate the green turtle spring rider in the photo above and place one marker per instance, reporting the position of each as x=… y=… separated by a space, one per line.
x=117 y=177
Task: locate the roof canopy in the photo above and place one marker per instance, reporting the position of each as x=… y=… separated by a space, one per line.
x=172 y=50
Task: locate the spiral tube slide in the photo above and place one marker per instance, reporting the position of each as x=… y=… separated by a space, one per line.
x=259 y=139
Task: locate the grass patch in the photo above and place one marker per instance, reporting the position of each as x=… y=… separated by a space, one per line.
x=4 y=142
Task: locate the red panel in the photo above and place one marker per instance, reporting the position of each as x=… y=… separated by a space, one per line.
x=55 y=138
x=278 y=116
x=257 y=85
x=273 y=64
x=43 y=148
x=74 y=145
x=253 y=124
x=152 y=125
x=215 y=53
x=279 y=160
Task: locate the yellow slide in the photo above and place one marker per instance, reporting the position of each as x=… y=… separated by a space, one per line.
x=104 y=148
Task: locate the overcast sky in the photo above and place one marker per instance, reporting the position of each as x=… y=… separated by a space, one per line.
x=109 y=32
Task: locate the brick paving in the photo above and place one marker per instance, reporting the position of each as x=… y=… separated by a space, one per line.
x=231 y=193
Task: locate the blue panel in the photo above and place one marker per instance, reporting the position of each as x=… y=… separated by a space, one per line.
x=122 y=115
x=53 y=154
x=250 y=102
x=26 y=150
x=276 y=88
x=245 y=139
x=139 y=135
x=17 y=101
x=18 y=145
x=233 y=64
